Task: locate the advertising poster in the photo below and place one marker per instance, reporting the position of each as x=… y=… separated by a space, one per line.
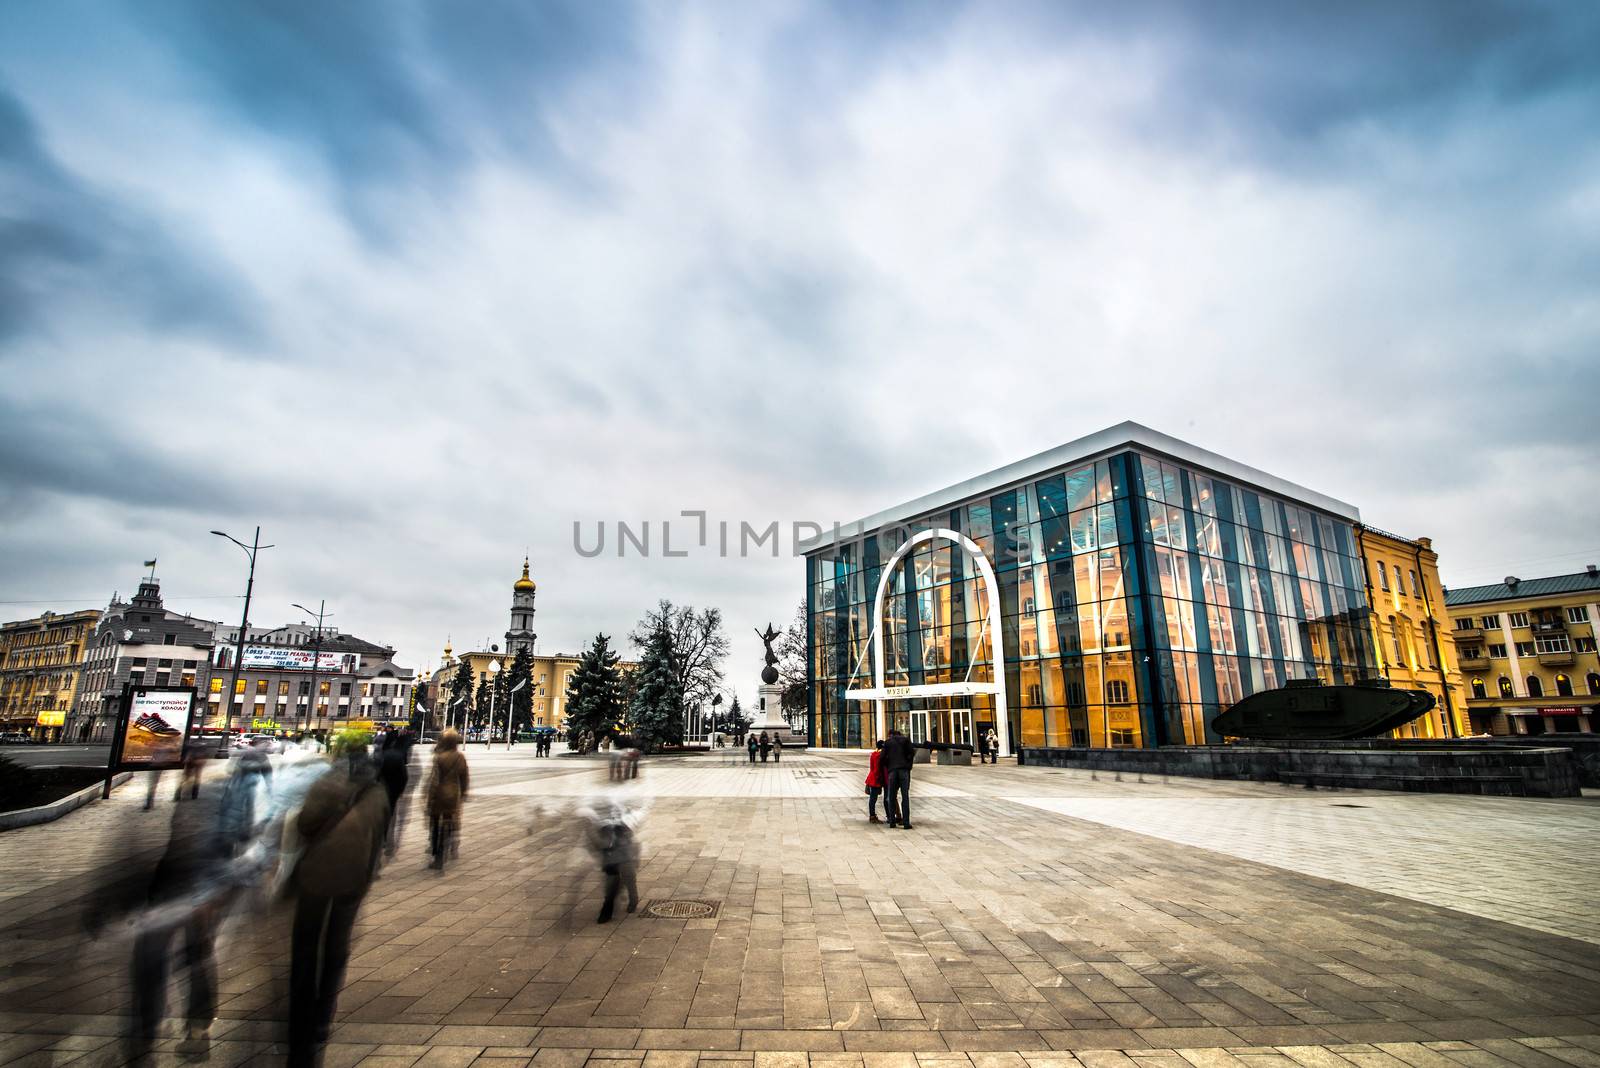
x=154 y=727
x=277 y=658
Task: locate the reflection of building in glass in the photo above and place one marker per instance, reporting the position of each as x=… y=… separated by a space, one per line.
x=1144 y=586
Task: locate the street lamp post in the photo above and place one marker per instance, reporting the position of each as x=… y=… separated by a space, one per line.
x=316 y=655
x=511 y=704
x=494 y=671
x=457 y=703
x=250 y=550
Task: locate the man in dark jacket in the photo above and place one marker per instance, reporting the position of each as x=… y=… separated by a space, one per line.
x=341 y=827
x=898 y=756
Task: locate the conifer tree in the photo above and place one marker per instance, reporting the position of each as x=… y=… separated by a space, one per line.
x=522 y=700
x=738 y=722
x=656 y=713
x=480 y=705
x=593 y=696
x=460 y=686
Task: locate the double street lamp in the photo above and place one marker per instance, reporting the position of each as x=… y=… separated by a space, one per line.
x=511 y=704
x=316 y=655
x=250 y=551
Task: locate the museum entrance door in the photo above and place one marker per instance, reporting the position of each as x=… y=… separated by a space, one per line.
x=952 y=726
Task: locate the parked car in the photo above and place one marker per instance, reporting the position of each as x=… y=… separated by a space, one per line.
x=15 y=738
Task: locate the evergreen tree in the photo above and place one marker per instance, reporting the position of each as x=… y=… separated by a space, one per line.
x=655 y=715
x=738 y=722
x=522 y=700
x=593 y=696
x=480 y=706
x=460 y=686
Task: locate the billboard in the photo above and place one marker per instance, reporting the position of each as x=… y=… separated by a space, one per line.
x=153 y=727
x=278 y=658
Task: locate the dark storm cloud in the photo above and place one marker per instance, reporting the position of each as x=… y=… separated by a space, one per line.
x=77 y=453
x=64 y=244
x=1279 y=78
x=394 y=94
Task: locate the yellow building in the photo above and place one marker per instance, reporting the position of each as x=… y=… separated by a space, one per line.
x=1411 y=632
x=550 y=674
x=1527 y=649
x=551 y=671
x=41 y=663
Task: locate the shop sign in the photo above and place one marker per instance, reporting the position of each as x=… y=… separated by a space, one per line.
x=263 y=724
x=52 y=719
x=1571 y=711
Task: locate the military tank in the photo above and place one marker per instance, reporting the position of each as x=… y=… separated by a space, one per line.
x=1306 y=708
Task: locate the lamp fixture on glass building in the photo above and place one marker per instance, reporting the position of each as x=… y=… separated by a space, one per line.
x=1142 y=585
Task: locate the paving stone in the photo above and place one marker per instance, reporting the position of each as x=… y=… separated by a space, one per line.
x=1035 y=912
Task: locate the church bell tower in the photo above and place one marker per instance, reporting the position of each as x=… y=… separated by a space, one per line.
x=521 y=635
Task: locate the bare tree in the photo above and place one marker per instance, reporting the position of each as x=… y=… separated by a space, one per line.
x=698 y=647
x=792 y=650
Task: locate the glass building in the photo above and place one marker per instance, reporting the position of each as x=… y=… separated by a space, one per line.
x=1144 y=585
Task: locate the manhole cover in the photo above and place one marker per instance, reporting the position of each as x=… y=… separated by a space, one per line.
x=681 y=910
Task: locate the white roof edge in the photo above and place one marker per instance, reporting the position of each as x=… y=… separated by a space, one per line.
x=1094 y=446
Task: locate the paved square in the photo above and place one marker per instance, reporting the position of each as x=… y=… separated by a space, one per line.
x=1035 y=917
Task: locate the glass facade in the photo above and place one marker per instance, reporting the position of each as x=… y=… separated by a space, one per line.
x=1139 y=597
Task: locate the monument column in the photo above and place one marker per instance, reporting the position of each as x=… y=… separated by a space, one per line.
x=769 y=704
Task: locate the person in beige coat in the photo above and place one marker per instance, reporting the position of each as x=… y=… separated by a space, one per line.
x=341 y=827
x=447 y=788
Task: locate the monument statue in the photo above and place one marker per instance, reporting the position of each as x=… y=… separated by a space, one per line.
x=769 y=701
x=769 y=674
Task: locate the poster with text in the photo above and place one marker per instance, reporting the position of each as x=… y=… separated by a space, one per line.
x=155 y=726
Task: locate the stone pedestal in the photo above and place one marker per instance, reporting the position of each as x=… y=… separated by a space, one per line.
x=768 y=716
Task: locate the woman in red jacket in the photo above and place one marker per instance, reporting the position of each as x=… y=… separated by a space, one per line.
x=874 y=783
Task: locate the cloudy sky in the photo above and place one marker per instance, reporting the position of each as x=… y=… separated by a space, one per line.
x=415 y=286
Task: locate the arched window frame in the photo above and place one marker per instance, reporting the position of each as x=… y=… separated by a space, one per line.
x=1535 y=686
x=1505 y=687
x=1479 y=691
x=1593 y=683
x=1563 y=685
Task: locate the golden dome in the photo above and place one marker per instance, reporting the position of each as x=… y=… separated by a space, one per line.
x=447 y=649
x=524 y=583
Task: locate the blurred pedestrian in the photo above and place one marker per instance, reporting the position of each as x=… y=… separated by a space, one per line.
x=447 y=788
x=777 y=748
x=187 y=890
x=751 y=745
x=992 y=743
x=394 y=771
x=249 y=775
x=341 y=827
x=612 y=836
x=194 y=766
x=874 y=781
x=766 y=746
x=898 y=756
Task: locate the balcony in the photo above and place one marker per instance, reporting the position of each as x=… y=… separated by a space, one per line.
x=1557 y=659
x=1467 y=633
x=1475 y=663
x=1547 y=627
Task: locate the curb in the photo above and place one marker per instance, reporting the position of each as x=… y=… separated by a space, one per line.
x=28 y=817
